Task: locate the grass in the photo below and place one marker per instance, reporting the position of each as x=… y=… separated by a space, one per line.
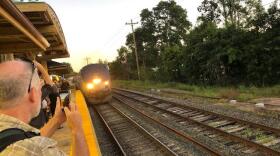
x=253 y=133
x=240 y=93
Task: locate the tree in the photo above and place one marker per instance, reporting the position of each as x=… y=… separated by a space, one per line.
x=235 y=42
x=263 y=60
x=237 y=13
x=254 y=14
x=162 y=29
x=163 y=32
x=210 y=12
x=171 y=23
x=121 y=67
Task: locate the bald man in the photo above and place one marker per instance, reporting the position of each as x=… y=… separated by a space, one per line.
x=20 y=101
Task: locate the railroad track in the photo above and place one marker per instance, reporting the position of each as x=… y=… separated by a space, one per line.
x=106 y=142
x=131 y=137
x=240 y=135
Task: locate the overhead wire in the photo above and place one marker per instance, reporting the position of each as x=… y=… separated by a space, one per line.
x=114 y=36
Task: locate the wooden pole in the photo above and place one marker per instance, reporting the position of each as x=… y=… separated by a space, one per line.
x=136 y=54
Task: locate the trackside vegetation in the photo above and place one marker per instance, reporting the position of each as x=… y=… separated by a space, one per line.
x=241 y=93
x=233 y=43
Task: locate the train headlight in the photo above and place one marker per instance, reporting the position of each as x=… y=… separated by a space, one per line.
x=106 y=83
x=96 y=81
x=90 y=86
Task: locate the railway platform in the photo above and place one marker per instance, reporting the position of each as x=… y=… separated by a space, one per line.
x=63 y=137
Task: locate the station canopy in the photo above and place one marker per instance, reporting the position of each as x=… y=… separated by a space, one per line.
x=36 y=31
x=58 y=68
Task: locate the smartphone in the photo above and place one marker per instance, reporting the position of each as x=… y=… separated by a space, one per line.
x=67 y=99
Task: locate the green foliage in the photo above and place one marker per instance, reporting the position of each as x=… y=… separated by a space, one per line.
x=240 y=93
x=235 y=42
x=159 y=42
x=170 y=66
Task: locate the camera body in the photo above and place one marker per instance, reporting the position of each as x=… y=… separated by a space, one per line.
x=67 y=99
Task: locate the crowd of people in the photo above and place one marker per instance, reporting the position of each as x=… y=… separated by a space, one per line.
x=61 y=83
x=31 y=112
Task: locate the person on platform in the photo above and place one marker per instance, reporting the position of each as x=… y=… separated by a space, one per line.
x=20 y=101
x=48 y=98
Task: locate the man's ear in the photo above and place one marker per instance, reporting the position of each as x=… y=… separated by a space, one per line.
x=32 y=95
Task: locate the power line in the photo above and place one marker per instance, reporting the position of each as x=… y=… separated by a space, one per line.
x=113 y=37
x=136 y=18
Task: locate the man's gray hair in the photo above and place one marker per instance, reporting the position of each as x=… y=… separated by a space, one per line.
x=15 y=86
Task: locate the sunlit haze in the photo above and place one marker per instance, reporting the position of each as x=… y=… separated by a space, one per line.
x=96 y=28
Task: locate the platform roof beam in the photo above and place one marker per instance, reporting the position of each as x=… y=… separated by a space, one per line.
x=14 y=16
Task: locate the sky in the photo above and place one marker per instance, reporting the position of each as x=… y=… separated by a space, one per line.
x=96 y=28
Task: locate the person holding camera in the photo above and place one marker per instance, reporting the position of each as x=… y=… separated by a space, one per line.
x=48 y=98
x=20 y=101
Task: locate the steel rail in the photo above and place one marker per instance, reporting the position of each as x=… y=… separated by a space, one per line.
x=145 y=131
x=111 y=132
x=226 y=134
x=202 y=146
x=252 y=124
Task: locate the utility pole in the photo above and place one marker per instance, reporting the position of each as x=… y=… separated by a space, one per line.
x=136 y=54
x=87 y=59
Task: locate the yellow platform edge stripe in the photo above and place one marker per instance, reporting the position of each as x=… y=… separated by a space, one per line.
x=87 y=125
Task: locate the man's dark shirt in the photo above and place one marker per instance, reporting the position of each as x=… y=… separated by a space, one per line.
x=41 y=119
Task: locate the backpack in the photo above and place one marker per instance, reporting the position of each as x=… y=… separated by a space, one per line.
x=12 y=135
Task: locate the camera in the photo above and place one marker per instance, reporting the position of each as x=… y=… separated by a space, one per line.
x=67 y=99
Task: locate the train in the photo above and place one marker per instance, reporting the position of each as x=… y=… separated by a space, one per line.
x=95 y=83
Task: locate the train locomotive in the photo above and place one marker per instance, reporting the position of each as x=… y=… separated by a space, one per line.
x=95 y=83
